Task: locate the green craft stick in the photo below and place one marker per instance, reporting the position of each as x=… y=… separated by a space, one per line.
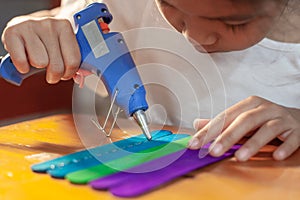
x=95 y=172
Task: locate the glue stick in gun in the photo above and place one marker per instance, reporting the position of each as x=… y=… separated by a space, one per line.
x=105 y=54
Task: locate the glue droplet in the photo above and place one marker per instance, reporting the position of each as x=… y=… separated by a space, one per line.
x=75 y=160
x=61 y=164
x=52 y=166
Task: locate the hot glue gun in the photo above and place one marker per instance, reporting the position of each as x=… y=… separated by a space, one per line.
x=105 y=54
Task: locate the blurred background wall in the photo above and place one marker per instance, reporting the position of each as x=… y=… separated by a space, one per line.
x=11 y=8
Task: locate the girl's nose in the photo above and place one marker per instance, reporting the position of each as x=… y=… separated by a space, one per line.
x=199 y=32
x=200 y=38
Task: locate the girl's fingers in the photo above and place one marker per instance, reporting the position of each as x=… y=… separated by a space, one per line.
x=284 y=135
x=209 y=132
x=69 y=50
x=44 y=43
x=290 y=145
x=200 y=123
x=264 y=135
x=13 y=43
x=214 y=128
x=36 y=51
x=243 y=124
x=55 y=68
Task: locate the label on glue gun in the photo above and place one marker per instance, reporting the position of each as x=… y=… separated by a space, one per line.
x=95 y=39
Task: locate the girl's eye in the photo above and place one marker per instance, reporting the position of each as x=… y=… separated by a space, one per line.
x=236 y=27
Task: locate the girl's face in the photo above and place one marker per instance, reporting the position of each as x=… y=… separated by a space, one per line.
x=222 y=25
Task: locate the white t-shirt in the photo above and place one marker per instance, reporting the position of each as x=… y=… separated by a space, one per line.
x=183 y=84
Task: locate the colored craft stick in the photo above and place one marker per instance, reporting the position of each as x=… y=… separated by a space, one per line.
x=86 y=155
x=130 y=146
x=121 y=164
x=124 y=184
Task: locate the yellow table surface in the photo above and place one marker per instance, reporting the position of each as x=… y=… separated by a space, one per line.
x=26 y=143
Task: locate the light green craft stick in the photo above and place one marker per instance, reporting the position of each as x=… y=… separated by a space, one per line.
x=92 y=173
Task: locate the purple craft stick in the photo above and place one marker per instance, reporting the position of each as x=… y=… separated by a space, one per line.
x=125 y=184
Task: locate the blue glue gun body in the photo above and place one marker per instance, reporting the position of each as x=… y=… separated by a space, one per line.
x=104 y=54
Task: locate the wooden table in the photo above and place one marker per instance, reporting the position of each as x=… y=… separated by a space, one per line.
x=29 y=142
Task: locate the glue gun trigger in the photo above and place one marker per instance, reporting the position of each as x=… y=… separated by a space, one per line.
x=80 y=76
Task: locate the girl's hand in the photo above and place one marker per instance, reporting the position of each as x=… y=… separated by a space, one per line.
x=262 y=119
x=43 y=43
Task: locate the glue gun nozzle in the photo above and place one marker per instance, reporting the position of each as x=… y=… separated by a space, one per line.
x=141 y=118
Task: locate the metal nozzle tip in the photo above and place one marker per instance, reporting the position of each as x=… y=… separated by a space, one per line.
x=146 y=132
x=141 y=118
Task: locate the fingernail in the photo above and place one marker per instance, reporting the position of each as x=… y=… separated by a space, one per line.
x=280 y=155
x=65 y=79
x=194 y=143
x=217 y=149
x=51 y=80
x=195 y=124
x=76 y=79
x=243 y=154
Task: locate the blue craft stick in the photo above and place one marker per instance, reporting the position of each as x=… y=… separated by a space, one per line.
x=83 y=163
x=86 y=154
